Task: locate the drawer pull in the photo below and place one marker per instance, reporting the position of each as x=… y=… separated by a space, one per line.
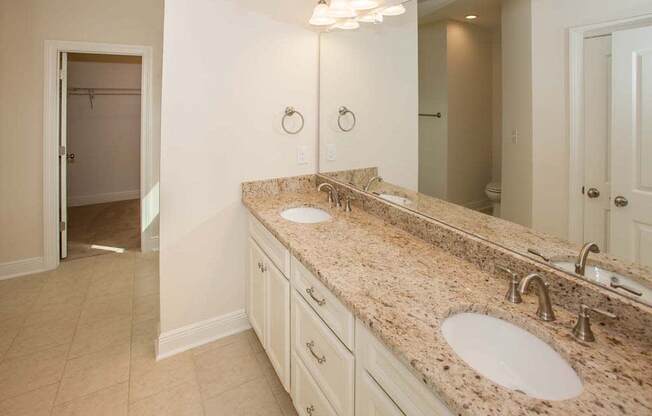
x=311 y=292
x=310 y=410
x=320 y=360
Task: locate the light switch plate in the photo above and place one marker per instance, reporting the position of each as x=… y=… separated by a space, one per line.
x=331 y=152
x=302 y=151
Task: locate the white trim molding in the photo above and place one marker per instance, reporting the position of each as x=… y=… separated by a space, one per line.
x=76 y=201
x=191 y=336
x=21 y=267
x=576 y=36
x=51 y=138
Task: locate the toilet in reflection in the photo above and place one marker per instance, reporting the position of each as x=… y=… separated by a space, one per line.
x=493 y=190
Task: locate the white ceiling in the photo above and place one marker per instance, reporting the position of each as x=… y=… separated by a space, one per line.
x=488 y=11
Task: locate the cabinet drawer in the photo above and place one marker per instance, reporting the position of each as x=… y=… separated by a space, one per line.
x=371 y=400
x=326 y=358
x=339 y=319
x=410 y=394
x=277 y=253
x=307 y=398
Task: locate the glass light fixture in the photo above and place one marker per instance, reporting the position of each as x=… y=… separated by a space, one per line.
x=471 y=17
x=348 y=24
x=394 y=10
x=320 y=15
x=340 y=9
x=371 y=18
x=363 y=4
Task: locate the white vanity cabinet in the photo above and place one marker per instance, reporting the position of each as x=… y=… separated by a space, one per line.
x=329 y=362
x=268 y=299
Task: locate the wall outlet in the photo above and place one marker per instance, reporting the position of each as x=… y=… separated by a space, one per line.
x=515 y=136
x=302 y=152
x=331 y=152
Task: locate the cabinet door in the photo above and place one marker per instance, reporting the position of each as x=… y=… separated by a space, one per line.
x=278 y=322
x=371 y=400
x=256 y=289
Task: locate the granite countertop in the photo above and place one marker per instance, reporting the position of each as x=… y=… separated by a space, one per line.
x=402 y=288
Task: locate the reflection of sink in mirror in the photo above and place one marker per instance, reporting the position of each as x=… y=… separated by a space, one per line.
x=616 y=281
x=395 y=199
x=305 y=215
x=510 y=356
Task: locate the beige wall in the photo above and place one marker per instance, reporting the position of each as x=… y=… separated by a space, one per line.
x=516 y=198
x=496 y=105
x=24 y=26
x=230 y=69
x=469 y=54
x=105 y=138
x=433 y=98
x=455 y=78
x=373 y=71
x=550 y=22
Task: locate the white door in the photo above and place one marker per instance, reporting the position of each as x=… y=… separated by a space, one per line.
x=278 y=322
x=597 y=139
x=256 y=295
x=63 y=157
x=631 y=173
x=370 y=399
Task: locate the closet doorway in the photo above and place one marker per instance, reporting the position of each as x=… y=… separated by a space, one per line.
x=102 y=164
x=100 y=194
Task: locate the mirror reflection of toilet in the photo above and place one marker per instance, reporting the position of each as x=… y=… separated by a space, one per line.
x=493 y=190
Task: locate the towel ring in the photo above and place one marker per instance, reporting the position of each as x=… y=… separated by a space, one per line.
x=289 y=112
x=344 y=111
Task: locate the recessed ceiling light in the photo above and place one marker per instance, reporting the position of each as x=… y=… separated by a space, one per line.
x=471 y=17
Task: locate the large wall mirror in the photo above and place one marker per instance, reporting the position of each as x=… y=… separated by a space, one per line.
x=539 y=141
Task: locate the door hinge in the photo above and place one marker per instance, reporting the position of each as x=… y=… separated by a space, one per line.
x=62 y=226
x=62 y=150
x=582 y=190
x=62 y=73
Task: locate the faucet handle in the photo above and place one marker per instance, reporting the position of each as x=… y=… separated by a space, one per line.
x=512 y=295
x=347 y=203
x=582 y=329
x=584 y=311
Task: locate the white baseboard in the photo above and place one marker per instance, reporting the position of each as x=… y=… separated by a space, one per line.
x=76 y=201
x=21 y=267
x=194 y=335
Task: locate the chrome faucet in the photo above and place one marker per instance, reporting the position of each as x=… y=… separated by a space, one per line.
x=544 y=311
x=512 y=295
x=333 y=197
x=580 y=265
x=371 y=181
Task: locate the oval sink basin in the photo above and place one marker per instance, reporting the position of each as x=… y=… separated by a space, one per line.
x=305 y=215
x=511 y=356
x=622 y=284
x=395 y=199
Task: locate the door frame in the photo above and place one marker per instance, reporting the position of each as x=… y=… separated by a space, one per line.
x=576 y=37
x=148 y=189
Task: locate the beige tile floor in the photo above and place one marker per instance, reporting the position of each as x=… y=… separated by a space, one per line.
x=113 y=224
x=80 y=341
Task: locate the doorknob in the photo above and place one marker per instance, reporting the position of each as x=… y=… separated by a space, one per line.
x=593 y=193
x=620 y=201
x=71 y=157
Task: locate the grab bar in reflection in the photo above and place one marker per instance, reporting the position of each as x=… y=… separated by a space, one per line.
x=436 y=115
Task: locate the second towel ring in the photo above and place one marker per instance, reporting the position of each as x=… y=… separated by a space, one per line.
x=289 y=112
x=342 y=112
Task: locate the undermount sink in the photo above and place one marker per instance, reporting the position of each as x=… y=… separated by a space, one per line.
x=604 y=277
x=305 y=215
x=511 y=356
x=395 y=199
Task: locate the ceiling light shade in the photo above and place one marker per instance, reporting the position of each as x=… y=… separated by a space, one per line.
x=340 y=9
x=320 y=15
x=348 y=24
x=394 y=10
x=371 y=18
x=363 y=4
x=471 y=16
